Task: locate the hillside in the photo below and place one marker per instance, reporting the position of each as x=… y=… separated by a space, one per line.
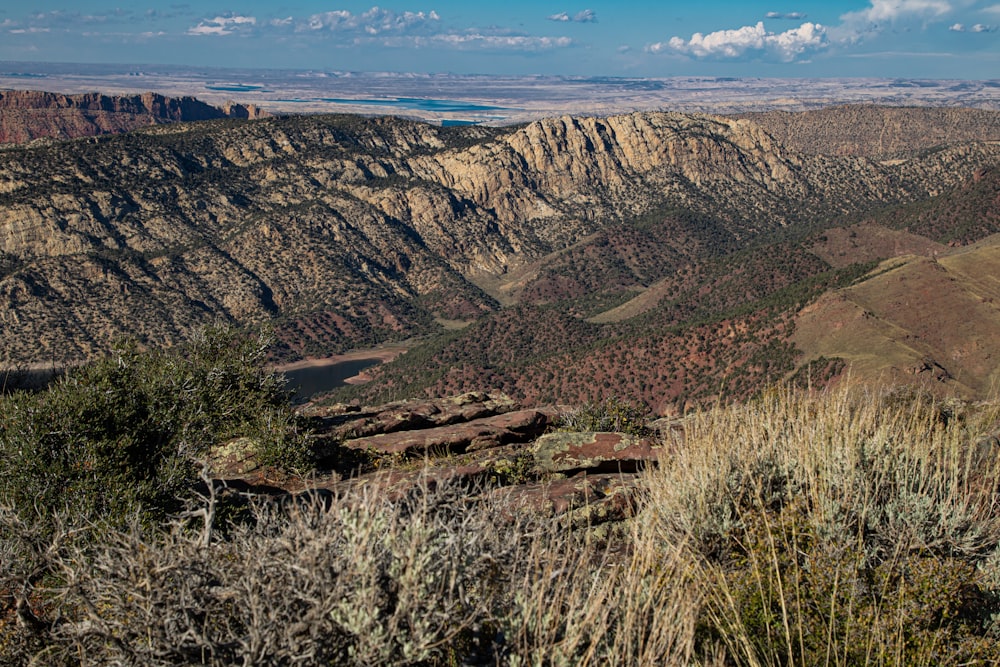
x=877 y=132
x=727 y=325
x=658 y=255
x=26 y=115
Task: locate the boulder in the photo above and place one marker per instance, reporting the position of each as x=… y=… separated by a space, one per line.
x=586 y=499
x=563 y=452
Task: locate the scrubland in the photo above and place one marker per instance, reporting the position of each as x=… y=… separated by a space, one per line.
x=853 y=526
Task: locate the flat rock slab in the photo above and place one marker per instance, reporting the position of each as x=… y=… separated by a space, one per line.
x=597 y=451
x=484 y=433
x=354 y=422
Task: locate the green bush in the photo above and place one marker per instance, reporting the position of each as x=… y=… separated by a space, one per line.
x=613 y=414
x=124 y=434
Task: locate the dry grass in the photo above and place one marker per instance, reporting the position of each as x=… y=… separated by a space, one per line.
x=858 y=527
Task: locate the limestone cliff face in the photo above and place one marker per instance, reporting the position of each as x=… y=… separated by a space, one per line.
x=26 y=115
x=347 y=231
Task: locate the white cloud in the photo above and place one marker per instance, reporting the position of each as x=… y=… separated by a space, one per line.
x=753 y=41
x=515 y=42
x=993 y=9
x=223 y=25
x=897 y=15
x=586 y=16
x=375 y=21
x=979 y=27
x=892 y=10
x=790 y=16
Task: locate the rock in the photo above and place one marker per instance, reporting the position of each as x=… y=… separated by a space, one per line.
x=563 y=452
x=470 y=436
x=235 y=458
x=587 y=499
x=417 y=414
x=26 y=115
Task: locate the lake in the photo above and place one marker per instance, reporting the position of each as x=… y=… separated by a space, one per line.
x=304 y=382
x=311 y=380
x=418 y=103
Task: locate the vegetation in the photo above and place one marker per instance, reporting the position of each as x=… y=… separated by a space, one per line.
x=128 y=434
x=853 y=527
x=612 y=414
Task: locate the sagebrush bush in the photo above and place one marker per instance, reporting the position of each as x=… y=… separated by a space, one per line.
x=854 y=527
x=850 y=528
x=123 y=435
x=364 y=582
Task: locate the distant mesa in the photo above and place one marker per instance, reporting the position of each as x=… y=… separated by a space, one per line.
x=29 y=115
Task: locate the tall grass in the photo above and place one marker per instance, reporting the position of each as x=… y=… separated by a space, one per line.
x=851 y=528
x=856 y=527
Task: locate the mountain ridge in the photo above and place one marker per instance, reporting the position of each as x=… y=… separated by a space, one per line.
x=344 y=232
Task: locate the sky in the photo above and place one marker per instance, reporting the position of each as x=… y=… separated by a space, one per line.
x=953 y=39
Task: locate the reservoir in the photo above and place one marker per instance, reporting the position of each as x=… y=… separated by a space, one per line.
x=311 y=380
x=418 y=103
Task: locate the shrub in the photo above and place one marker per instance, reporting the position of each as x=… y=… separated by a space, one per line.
x=852 y=527
x=122 y=435
x=613 y=414
x=849 y=528
x=364 y=582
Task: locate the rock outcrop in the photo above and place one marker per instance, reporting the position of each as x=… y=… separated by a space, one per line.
x=26 y=115
x=877 y=132
x=482 y=440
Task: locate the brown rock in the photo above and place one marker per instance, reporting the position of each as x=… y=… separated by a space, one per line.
x=418 y=414
x=26 y=115
x=607 y=452
x=588 y=499
x=470 y=436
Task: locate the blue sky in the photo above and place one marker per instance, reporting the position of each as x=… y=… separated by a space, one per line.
x=781 y=38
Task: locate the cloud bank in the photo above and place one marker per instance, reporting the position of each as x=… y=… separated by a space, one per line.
x=748 y=41
x=388 y=28
x=222 y=25
x=372 y=22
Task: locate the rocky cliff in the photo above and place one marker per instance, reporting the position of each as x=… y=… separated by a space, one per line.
x=346 y=231
x=26 y=115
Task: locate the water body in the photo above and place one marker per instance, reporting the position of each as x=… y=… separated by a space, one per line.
x=304 y=382
x=418 y=103
x=312 y=380
x=237 y=88
x=30 y=380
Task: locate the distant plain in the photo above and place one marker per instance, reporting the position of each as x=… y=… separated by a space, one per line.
x=494 y=100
